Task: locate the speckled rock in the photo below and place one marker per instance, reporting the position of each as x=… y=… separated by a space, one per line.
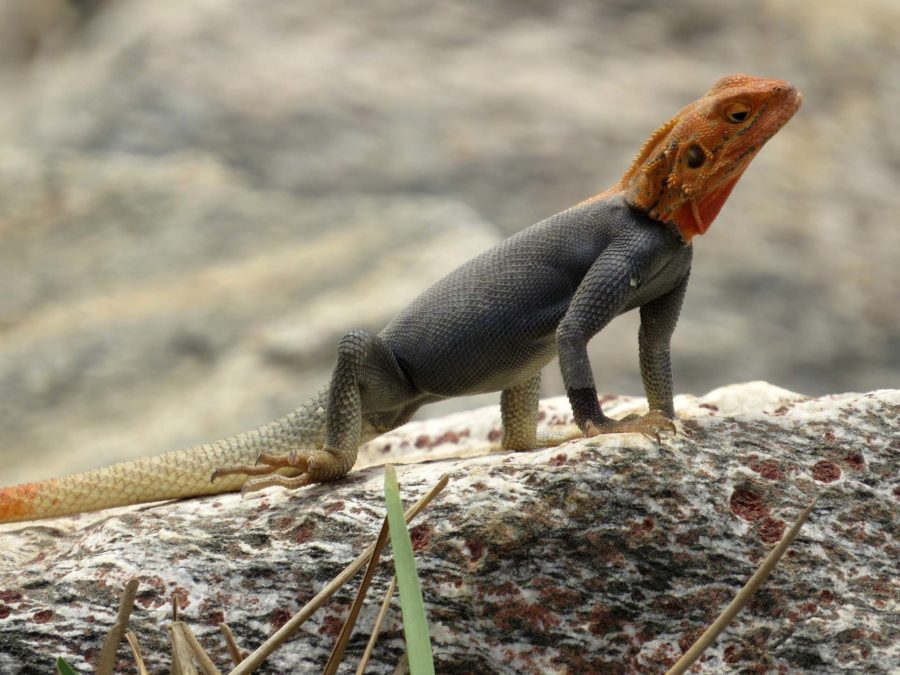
x=602 y=555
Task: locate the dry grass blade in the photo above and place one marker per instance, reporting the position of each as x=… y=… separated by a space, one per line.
x=136 y=650
x=255 y=659
x=402 y=665
x=182 y=659
x=337 y=653
x=107 y=661
x=233 y=650
x=206 y=664
x=376 y=629
x=743 y=596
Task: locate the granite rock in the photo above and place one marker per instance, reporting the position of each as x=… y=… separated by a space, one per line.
x=609 y=554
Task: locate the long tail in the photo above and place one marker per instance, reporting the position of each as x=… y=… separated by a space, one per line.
x=173 y=475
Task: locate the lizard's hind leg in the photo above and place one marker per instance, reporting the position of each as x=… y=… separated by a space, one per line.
x=519 y=410
x=519 y=413
x=366 y=377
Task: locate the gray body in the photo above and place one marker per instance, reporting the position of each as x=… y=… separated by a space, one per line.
x=495 y=321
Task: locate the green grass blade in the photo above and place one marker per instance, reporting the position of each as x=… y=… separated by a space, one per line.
x=415 y=625
x=64 y=668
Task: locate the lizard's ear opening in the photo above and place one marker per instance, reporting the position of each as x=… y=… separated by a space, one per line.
x=695 y=157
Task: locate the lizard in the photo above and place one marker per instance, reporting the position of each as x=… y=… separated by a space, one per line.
x=492 y=324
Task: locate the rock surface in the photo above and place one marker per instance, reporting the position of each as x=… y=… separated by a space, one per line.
x=152 y=150
x=603 y=555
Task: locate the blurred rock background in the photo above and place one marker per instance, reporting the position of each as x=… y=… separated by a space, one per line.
x=197 y=199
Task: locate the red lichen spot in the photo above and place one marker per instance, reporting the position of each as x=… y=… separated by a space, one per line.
x=474 y=549
x=303 y=533
x=335 y=507
x=281 y=523
x=731 y=654
x=771 y=530
x=855 y=461
x=642 y=528
x=215 y=617
x=420 y=535
x=531 y=616
x=542 y=415
x=769 y=468
x=4 y=611
x=423 y=441
x=278 y=618
x=748 y=504
x=560 y=598
x=447 y=437
x=152 y=593
x=495 y=434
x=826 y=597
x=669 y=604
x=688 y=639
x=897 y=491
x=709 y=406
x=603 y=620
x=558 y=460
x=10 y=596
x=42 y=616
x=386 y=448
x=825 y=471
x=331 y=625
x=829 y=437
x=182 y=597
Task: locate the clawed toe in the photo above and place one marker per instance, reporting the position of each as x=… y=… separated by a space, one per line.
x=649 y=426
x=290 y=483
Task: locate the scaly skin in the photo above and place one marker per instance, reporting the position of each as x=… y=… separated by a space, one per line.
x=492 y=324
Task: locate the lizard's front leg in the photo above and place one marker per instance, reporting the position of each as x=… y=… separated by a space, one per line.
x=598 y=299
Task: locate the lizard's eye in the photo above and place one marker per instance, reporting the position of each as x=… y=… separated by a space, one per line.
x=736 y=112
x=695 y=156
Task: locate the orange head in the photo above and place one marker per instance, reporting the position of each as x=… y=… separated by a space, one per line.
x=687 y=169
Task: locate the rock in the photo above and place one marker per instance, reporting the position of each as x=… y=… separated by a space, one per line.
x=609 y=554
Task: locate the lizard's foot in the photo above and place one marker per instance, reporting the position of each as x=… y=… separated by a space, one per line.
x=649 y=425
x=304 y=467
